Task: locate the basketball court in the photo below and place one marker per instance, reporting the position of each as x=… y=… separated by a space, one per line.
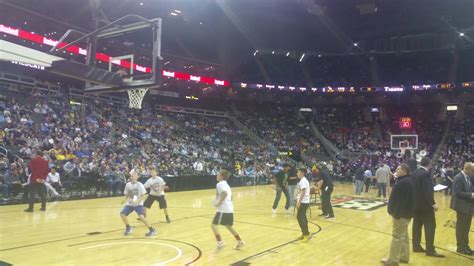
x=90 y=232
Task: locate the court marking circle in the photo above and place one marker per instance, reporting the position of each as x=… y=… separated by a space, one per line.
x=178 y=250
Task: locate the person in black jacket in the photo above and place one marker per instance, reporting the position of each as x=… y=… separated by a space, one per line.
x=401 y=207
x=425 y=208
x=326 y=186
x=462 y=202
x=281 y=183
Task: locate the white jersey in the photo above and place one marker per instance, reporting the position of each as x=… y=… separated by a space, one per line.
x=303 y=184
x=52 y=178
x=227 y=206
x=155 y=184
x=134 y=193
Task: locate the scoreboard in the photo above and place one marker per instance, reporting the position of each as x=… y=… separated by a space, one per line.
x=405 y=122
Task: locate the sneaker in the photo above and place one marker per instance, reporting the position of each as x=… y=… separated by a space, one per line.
x=274 y=211
x=43 y=209
x=168 y=220
x=305 y=239
x=128 y=230
x=152 y=232
x=322 y=215
x=300 y=237
x=29 y=210
x=220 y=244
x=328 y=217
x=239 y=245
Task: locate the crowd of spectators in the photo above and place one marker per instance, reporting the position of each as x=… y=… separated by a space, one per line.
x=99 y=143
x=459 y=144
x=284 y=128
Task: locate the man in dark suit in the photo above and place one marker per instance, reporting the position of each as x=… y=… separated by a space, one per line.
x=425 y=208
x=401 y=207
x=462 y=202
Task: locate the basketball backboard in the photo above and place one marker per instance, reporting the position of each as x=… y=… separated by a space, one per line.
x=402 y=142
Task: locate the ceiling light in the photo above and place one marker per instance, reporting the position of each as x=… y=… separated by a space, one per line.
x=461 y=34
x=255 y=53
x=173 y=14
x=356 y=44
x=288 y=54
x=141 y=3
x=301 y=58
x=273 y=52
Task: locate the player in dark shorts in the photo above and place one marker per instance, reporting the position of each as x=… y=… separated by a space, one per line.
x=225 y=210
x=157 y=188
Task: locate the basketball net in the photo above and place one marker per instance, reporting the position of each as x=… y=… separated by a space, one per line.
x=135 y=98
x=402 y=152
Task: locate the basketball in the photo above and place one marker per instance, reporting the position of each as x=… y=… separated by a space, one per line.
x=312 y=190
x=166 y=188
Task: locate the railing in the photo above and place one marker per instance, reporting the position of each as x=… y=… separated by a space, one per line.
x=441 y=145
x=29 y=82
x=194 y=111
x=328 y=145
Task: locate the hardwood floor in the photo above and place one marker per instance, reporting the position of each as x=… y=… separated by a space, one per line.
x=90 y=232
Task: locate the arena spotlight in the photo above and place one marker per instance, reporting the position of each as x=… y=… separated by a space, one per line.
x=302 y=57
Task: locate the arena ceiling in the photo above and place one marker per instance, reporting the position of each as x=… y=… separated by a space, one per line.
x=228 y=31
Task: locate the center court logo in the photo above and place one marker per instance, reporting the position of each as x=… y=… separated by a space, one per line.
x=361 y=204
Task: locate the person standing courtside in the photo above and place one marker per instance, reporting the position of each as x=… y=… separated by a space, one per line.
x=359 y=180
x=281 y=182
x=326 y=186
x=367 y=179
x=382 y=175
x=39 y=170
x=401 y=207
x=292 y=182
x=425 y=208
x=462 y=202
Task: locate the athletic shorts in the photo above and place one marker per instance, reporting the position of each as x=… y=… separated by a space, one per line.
x=128 y=209
x=161 y=200
x=223 y=219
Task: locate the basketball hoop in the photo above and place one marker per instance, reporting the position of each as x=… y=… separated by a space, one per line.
x=135 y=97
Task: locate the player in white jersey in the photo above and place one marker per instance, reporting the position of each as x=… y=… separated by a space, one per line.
x=157 y=188
x=302 y=204
x=225 y=210
x=134 y=193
